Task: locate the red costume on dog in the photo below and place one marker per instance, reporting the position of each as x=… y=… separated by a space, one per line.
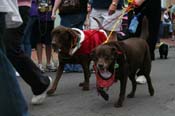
x=90 y=40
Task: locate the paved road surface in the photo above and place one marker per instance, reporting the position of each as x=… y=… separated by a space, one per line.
x=70 y=100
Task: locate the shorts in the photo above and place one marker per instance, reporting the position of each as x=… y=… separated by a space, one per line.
x=42 y=32
x=108 y=21
x=73 y=20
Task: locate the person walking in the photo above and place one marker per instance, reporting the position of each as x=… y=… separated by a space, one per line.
x=12 y=102
x=28 y=70
x=152 y=10
x=43 y=34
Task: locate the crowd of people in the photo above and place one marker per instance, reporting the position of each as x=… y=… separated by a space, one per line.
x=27 y=25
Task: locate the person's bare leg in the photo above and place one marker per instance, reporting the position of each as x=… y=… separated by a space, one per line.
x=39 y=51
x=48 y=53
x=50 y=66
x=173 y=35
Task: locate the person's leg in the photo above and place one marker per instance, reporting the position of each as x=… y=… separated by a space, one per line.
x=154 y=24
x=11 y=98
x=39 y=51
x=50 y=65
x=48 y=54
x=69 y=21
x=22 y=63
x=12 y=102
x=173 y=33
x=153 y=14
x=81 y=18
x=47 y=39
x=26 y=44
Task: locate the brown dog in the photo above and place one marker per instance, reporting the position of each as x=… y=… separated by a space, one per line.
x=129 y=55
x=74 y=47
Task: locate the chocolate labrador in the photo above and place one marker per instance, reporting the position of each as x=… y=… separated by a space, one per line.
x=74 y=47
x=123 y=59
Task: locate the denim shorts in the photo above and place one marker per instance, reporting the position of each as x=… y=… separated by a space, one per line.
x=42 y=32
x=73 y=20
x=107 y=21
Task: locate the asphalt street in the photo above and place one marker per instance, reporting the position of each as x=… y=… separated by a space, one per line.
x=70 y=100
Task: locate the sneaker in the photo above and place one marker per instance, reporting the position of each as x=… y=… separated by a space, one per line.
x=51 y=68
x=141 y=79
x=17 y=74
x=38 y=99
x=40 y=66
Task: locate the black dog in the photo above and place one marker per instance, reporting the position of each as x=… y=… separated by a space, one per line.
x=163 y=51
x=129 y=55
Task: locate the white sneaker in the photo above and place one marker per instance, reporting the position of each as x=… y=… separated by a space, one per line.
x=38 y=99
x=141 y=79
x=50 y=67
x=17 y=74
x=40 y=66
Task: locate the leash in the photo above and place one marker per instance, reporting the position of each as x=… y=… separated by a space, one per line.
x=128 y=6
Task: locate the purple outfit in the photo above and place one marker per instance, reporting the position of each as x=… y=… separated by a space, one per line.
x=34 y=9
x=46 y=16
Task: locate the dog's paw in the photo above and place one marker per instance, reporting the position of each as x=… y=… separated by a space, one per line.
x=104 y=95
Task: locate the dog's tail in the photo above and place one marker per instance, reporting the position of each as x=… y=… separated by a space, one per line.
x=98 y=22
x=144 y=33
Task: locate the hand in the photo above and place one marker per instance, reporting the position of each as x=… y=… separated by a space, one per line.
x=89 y=8
x=53 y=16
x=112 y=9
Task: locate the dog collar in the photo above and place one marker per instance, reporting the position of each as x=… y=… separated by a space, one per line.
x=80 y=40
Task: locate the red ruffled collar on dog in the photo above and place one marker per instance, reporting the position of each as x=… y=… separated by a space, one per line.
x=103 y=83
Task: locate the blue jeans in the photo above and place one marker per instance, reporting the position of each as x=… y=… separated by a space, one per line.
x=73 y=21
x=12 y=102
